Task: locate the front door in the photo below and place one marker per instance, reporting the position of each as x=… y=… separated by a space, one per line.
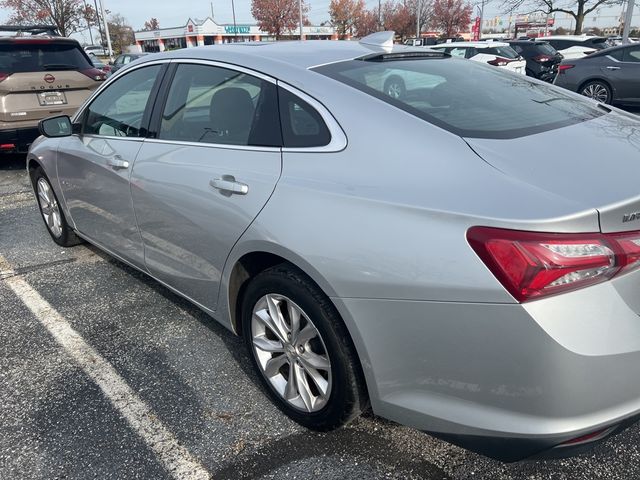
x=94 y=166
x=211 y=169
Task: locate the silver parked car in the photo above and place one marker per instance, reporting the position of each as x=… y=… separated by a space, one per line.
x=410 y=250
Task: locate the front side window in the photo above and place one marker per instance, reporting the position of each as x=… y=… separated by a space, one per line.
x=211 y=104
x=118 y=110
x=504 y=52
x=470 y=99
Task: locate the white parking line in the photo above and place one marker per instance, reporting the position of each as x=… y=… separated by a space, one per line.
x=173 y=456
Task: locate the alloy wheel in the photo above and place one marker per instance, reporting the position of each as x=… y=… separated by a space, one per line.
x=597 y=91
x=49 y=207
x=291 y=353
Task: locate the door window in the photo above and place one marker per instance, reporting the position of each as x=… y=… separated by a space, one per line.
x=217 y=105
x=118 y=110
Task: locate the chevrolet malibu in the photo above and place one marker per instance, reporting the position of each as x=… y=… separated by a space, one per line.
x=412 y=253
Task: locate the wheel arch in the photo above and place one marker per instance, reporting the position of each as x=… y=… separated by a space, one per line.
x=256 y=257
x=252 y=259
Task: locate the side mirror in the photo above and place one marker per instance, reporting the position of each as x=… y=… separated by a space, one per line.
x=111 y=63
x=54 y=127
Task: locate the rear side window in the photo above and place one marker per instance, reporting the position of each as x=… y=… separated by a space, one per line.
x=37 y=57
x=470 y=99
x=302 y=125
x=632 y=54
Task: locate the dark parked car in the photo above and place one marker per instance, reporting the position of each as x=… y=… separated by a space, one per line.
x=542 y=59
x=609 y=76
x=124 y=59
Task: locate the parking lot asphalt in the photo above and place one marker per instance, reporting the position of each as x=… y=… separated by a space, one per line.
x=56 y=421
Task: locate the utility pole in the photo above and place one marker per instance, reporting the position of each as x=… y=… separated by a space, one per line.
x=481 y=19
x=211 y=10
x=418 y=19
x=98 y=14
x=300 y=9
x=87 y=19
x=235 y=27
x=627 y=21
x=106 y=31
x=379 y=14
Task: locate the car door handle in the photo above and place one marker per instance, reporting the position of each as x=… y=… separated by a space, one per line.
x=613 y=68
x=117 y=162
x=229 y=184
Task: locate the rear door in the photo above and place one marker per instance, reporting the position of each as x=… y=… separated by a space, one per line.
x=94 y=166
x=628 y=75
x=213 y=166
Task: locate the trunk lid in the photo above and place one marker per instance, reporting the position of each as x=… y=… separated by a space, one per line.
x=594 y=163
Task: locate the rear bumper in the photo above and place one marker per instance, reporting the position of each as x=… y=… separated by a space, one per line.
x=18 y=139
x=509 y=381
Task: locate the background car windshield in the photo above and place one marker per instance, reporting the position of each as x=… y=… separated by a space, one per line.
x=20 y=58
x=466 y=98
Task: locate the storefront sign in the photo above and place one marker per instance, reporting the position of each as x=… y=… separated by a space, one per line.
x=237 y=29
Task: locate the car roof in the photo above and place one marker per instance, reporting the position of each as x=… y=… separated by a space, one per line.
x=472 y=44
x=38 y=39
x=577 y=38
x=294 y=54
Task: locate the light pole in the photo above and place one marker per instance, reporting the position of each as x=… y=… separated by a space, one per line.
x=235 y=27
x=481 y=19
x=300 y=9
x=627 y=21
x=106 y=31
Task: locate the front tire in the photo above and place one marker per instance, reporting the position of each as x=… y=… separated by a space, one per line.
x=51 y=212
x=302 y=350
x=597 y=90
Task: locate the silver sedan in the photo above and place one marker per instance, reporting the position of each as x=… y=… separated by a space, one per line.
x=461 y=255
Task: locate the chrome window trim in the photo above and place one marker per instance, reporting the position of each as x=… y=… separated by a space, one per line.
x=337 y=143
x=111 y=137
x=338 y=140
x=226 y=146
x=108 y=82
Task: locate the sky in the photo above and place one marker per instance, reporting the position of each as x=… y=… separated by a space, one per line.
x=172 y=14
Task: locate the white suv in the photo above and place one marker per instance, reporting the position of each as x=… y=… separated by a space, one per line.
x=498 y=54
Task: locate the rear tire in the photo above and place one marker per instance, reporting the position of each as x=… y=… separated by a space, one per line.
x=597 y=90
x=305 y=358
x=51 y=212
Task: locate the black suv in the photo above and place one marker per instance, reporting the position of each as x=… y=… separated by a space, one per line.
x=542 y=59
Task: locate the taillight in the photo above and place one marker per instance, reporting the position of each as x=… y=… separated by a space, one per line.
x=94 y=74
x=563 y=68
x=499 y=62
x=106 y=68
x=543 y=58
x=3 y=76
x=531 y=265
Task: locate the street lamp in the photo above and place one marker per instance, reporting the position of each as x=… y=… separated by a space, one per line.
x=300 y=9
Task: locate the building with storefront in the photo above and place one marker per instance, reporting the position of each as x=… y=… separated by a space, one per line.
x=207 y=32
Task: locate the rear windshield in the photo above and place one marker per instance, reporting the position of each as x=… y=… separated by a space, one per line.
x=504 y=52
x=467 y=98
x=38 y=57
x=545 y=48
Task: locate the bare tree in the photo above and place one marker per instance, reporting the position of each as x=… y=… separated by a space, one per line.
x=578 y=9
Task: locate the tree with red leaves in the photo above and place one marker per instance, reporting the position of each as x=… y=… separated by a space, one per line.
x=451 y=16
x=66 y=15
x=277 y=16
x=152 y=24
x=345 y=14
x=367 y=23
